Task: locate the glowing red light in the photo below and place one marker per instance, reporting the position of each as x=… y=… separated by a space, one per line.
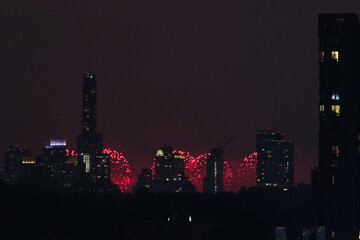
x=235 y=176
x=228 y=175
x=70 y=153
x=195 y=169
x=120 y=171
x=247 y=171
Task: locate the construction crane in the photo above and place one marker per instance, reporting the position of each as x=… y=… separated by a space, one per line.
x=214 y=180
x=228 y=141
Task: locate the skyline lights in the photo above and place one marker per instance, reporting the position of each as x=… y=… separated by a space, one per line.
x=56 y=143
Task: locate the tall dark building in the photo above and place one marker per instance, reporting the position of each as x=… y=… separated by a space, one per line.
x=214 y=180
x=170 y=172
x=89 y=141
x=337 y=179
x=275 y=165
x=94 y=167
x=17 y=164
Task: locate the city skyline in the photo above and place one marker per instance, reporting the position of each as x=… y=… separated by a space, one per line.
x=207 y=172
x=214 y=60
x=173 y=119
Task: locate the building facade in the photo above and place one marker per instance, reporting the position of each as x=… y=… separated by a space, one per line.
x=100 y=172
x=214 y=180
x=275 y=165
x=170 y=172
x=53 y=163
x=17 y=164
x=336 y=181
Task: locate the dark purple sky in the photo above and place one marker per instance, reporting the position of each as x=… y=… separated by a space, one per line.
x=185 y=73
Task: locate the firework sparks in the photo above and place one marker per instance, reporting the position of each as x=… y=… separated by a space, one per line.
x=120 y=172
x=70 y=153
x=195 y=169
x=247 y=171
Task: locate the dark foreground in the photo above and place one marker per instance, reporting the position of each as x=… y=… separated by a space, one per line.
x=33 y=212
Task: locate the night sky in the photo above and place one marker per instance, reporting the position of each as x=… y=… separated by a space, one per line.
x=182 y=73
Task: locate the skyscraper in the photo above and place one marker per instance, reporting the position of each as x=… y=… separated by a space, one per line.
x=275 y=166
x=56 y=166
x=214 y=180
x=53 y=162
x=89 y=141
x=170 y=172
x=337 y=179
x=94 y=167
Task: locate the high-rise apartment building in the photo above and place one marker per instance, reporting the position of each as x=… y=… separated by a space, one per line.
x=170 y=172
x=275 y=165
x=214 y=180
x=337 y=179
x=55 y=165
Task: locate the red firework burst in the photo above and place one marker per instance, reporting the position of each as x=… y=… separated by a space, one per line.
x=228 y=175
x=247 y=171
x=120 y=172
x=70 y=153
x=195 y=169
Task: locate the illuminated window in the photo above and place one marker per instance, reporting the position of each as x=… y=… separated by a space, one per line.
x=335 y=55
x=335 y=161
x=336 y=109
x=87 y=162
x=333 y=179
x=332 y=234
x=322 y=108
x=322 y=55
x=335 y=150
x=335 y=96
